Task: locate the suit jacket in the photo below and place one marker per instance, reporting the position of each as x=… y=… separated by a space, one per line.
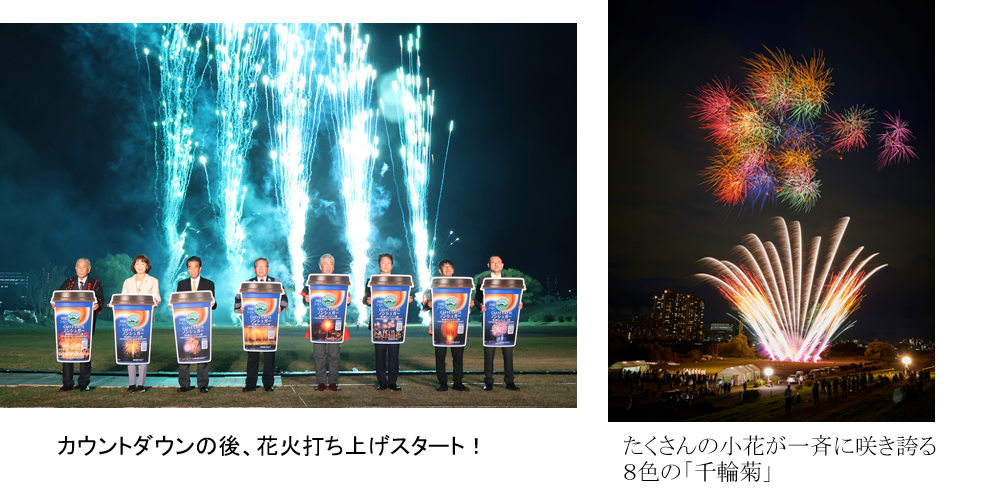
x=203 y=285
x=283 y=294
x=90 y=284
x=479 y=295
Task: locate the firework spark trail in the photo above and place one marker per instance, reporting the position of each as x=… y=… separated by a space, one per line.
x=179 y=82
x=349 y=92
x=894 y=140
x=795 y=318
x=295 y=94
x=238 y=63
x=414 y=110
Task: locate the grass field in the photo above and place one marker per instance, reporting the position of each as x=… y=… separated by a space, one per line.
x=540 y=348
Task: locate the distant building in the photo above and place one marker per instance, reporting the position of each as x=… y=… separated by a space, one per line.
x=724 y=331
x=678 y=316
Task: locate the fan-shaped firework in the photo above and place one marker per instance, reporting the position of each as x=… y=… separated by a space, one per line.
x=767 y=135
x=893 y=141
x=789 y=304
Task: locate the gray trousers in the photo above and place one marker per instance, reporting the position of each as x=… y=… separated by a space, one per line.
x=184 y=374
x=131 y=372
x=333 y=353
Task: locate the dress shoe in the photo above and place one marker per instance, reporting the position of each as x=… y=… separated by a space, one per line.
x=460 y=387
x=183 y=389
x=269 y=389
x=488 y=387
x=67 y=388
x=132 y=389
x=442 y=387
x=394 y=387
x=203 y=389
x=381 y=387
x=84 y=389
x=141 y=389
x=333 y=387
x=512 y=387
x=248 y=389
x=320 y=387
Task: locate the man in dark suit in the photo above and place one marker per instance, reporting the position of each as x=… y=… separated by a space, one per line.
x=262 y=268
x=81 y=282
x=195 y=283
x=446 y=269
x=495 y=265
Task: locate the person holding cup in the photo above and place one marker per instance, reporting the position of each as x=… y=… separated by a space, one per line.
x=386 y=355
x=140 y=283
x=332 y=351
x=495 y=265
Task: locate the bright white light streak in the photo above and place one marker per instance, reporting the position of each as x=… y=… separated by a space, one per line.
x=414 y=110
x=238 y=64
x=349 y=92
x=294 y=94
x=179 y=82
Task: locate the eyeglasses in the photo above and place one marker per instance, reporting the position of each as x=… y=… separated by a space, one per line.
x=262 y=266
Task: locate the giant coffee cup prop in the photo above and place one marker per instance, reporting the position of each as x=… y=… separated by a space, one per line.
x=329 y=306
x=133 y=318
x=260 y=315
x=450 y=306
x=390 y=302
x=192 y=326
x=73 y=325
x=500 y=323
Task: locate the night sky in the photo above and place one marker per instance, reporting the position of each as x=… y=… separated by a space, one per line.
x=662 y=220
x=78 y=174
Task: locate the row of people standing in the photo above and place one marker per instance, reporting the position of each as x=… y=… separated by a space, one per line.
x=326 y=372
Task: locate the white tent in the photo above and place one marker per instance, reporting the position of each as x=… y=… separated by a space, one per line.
x=739 y=374
x=631 y=366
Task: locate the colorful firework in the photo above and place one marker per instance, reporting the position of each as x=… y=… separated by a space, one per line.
x=810 y=88
x=894 y=140
x=790 y=305
x=849 y=131
x=767 y=135
x=801 y=191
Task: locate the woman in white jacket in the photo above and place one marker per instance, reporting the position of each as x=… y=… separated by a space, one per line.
x=140 y=283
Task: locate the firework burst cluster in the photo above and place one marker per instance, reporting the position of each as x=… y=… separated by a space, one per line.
x=769 y=136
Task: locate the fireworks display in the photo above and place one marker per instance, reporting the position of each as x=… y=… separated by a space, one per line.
x=238 y=65
x=349 y=92
x=768 y=134
x=306 y=71
x=295 y=93
x=793 y=307
x=179 y=82
x=414 y=110
x=893 y=141
x=849 y=132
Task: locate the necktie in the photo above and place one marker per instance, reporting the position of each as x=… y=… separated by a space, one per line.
x=194 y=285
